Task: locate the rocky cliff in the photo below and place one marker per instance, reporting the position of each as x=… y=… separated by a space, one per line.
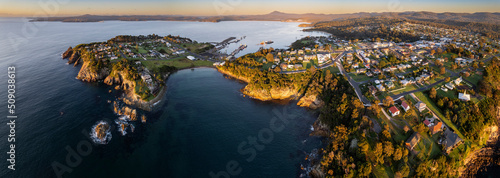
x=67 y=53
x=88 y=74
x=280 y=93
x=311 y=101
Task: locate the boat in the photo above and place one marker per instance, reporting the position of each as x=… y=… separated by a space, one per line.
x=266 y=42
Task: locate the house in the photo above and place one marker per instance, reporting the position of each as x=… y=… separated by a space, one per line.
x=372 y=89
x=361 y=71
x=449 y=86
x=322 y=58
x=436 y=128
x=297 y=66
x=427 y=123
x=283 y=66
x=191 y=57
x=464 y=96
x=404 y=82
x=458 y=81
x=380 y=88
x=389 y=84
x=413 y=141
x=420 y=106
x=452 y=140
x=394 y=111
x=405 y=106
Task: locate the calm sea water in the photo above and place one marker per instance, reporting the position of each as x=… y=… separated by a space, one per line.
x=196 y=129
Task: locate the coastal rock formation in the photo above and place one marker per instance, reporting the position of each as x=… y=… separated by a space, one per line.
x=87 y=74
x=281 y=93
x=101 y=133
x=114 y=78
x=67 y=53
x=272 y=94
x=311 y=101
x=74 y=57
x=125 y=111
x=143 y=119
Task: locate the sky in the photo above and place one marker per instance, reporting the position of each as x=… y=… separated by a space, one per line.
x=235 y=7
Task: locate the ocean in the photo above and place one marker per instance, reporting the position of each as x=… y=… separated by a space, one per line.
x=202 y=126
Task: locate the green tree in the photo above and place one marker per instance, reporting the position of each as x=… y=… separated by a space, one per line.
x=269 y=57
x=442 y=71
x=388 y=101
x=432 y=93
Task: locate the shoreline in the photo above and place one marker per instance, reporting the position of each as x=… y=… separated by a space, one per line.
x=150 y=105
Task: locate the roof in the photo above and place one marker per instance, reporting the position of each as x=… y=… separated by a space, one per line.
x=426 y=122
x=464 y=96
x=393 y=109
x=451 y=139
x=436 y=128
x=404 y=104
x=413 y=140
x=420 y=105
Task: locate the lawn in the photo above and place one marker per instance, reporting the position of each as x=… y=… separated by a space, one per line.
x=408 y=97
x=142 y=50
x=195 y=47
x=431 y=105
x=382 y=95
x=450 y=93
x=383 y=171
x=402 y=90
x=307 y=65
x=474 y=79
x=179 y=62
x=359 y=77
x=427 y=148
x=448 y=66
x=333 y=70
x=268 y=65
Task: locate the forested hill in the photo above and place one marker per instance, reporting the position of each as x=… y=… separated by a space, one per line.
x=373 y=27
x=493 y=18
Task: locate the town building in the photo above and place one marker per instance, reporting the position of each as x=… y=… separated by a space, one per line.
x=412 y=141
x=394 y=111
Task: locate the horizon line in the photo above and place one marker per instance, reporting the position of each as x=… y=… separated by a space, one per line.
x=73 y=15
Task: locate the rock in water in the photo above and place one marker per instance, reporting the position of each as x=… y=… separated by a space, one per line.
x=68 y=53
x=143 y=119
x=101 y=133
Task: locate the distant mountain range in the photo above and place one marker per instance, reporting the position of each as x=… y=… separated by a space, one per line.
x=280 y=16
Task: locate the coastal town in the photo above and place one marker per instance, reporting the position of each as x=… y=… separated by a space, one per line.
x=411 y=82
x=406 y=86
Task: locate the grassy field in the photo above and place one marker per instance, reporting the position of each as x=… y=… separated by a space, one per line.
x=193 y=47
x=267 y=65
x=427 y=147
x=474 y=79
x=431 y=105
x=179 y=62
x=333 y=70
x=359 y=77
x=406 y=89
x=450 y=93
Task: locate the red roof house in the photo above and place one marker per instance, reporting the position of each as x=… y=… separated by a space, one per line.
x=405 y=106
x=394 y=111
